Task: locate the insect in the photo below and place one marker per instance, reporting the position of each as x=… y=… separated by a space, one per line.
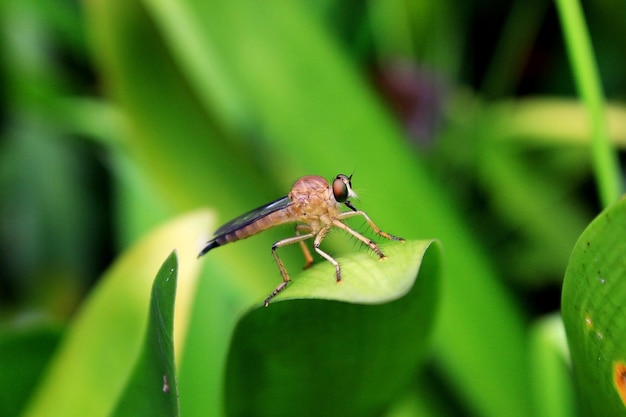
x=314 y=205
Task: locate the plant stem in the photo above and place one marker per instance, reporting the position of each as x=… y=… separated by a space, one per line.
x=587 y=80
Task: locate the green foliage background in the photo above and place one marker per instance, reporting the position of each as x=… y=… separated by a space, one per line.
x=481 y=125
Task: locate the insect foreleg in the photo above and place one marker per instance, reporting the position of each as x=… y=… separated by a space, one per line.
x=370 y=243
x=348 y=214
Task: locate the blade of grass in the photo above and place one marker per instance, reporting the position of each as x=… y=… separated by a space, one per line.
x=589 y=86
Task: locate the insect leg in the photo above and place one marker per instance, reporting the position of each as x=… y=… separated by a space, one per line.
x=281 y=267
x=316 y=245
x=308 y=259
x=348 y=214
x=372 y=245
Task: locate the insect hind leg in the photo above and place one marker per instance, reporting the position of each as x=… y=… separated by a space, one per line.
x=308 y=259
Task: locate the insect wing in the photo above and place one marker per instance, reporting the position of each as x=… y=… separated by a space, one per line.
x=253 y=215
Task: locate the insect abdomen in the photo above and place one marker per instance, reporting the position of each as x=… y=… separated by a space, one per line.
x=271 y=220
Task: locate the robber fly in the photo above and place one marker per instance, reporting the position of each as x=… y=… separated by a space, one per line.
x=314 y=206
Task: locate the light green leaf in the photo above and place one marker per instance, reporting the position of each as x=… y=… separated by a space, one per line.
x=366 y=278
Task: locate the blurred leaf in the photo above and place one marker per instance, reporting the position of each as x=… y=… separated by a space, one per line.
x=24 y=352
x=52 y=237
x=319 y=356
x=98 y=353
x=551 y=379
x=549 y=122
x=412 y=30
x=594 y=293
x=537 y=207
x=519 y=33
x=531 y=169
x=152 y=389
x=218 y=304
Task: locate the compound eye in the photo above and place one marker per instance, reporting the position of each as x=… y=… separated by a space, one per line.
x=340 y=189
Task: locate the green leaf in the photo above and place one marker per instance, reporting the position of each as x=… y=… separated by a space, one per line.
x=152 y=389
x=348 y=349
x=366 y=278
x=100 y=349
x=24 y=352
x=594 y=295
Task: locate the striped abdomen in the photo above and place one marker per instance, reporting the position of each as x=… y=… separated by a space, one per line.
x=251 y=223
